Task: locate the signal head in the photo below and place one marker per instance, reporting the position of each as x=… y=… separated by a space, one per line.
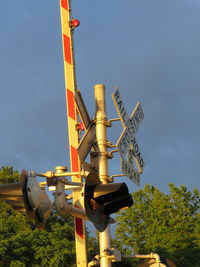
x=75 y=23
x=101 y=200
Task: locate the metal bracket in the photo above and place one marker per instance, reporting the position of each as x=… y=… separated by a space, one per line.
x=103 y=121
x=114 y=151
x=110 y=179
x=112 y=120
x=110 y=145
x=152 y=255
x=113 y=254
x=109 y=155
x=95 y=261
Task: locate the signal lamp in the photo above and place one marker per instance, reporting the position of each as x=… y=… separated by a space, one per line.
x=28 y=197
x=75 y=23
x=101 y=200
x=81 y=126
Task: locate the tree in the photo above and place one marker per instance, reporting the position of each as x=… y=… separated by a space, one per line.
x=8 y=175
x=21 y=244
x=167 y=224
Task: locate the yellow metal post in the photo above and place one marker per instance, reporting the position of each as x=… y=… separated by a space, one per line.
x=101 y=136
x=70 y=82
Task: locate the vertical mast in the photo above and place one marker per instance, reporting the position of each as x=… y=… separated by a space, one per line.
x=101 y=135
x=70 y=86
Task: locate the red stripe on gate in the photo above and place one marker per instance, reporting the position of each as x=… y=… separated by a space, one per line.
x=74 y=159
x=79 y=227
x=67 y=48
x=64 y=4
x=70 y=104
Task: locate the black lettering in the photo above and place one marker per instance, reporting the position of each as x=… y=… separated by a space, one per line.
x=136 y=119
x=138 y=155
x=140 y=113
x=130 y=134
x=119 y=105
x=130 y=156
x=141 y=163
x=134 y=141
x=122 y=150
x=136 y=148
x=126 y=167
x=132 y=125
x=127 y=137
x=117 y=95
x=124 y=115
x=124 y=143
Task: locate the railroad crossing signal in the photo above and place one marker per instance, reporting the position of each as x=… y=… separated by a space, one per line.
x=101 y=200
x=28 y=197
x=127 y=143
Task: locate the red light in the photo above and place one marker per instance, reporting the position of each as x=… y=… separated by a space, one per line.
x=81 y=126
x=93 y=204
x=75 y=23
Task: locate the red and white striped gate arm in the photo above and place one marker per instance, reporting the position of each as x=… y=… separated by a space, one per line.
x=70 y=84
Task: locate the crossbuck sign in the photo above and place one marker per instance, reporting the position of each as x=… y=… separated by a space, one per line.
x=127 y=145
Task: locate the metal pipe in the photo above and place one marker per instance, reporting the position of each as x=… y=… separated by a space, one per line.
x=51 y=174
x=117 y=175
x=66 y=183
x=148 y=256
x=101 y=135
x=115 y=119
x=63 y=207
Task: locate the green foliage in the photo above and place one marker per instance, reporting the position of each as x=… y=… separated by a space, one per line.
x=165 y=224
x=8 y=175
x=21 y=246
x=92 y=247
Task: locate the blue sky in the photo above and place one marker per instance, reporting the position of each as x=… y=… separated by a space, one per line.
x=150 y=49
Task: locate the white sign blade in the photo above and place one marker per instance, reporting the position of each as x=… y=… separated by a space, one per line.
x=129 y=132
x=123 y=146
x=135 y=152
x=117 y=99
x=136 y=118
x=124 y=141
x=130 y=171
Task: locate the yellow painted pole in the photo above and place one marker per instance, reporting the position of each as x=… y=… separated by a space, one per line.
x=70 y=85
x=101 y=136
